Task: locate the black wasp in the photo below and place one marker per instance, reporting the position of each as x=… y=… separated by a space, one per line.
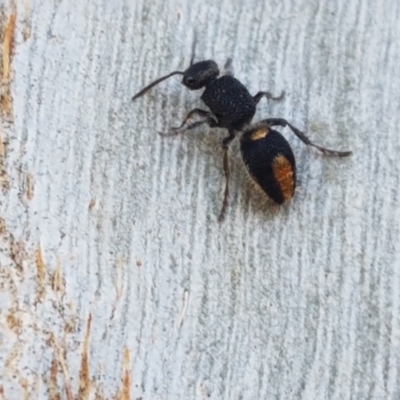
x=266 y=153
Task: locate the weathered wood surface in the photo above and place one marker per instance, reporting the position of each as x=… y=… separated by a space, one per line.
x=116 y=279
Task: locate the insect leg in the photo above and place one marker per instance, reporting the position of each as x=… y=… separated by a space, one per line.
x=302 y=136
x=225 y=146
x=228 y=70
x=268 y=95
x=209 y=120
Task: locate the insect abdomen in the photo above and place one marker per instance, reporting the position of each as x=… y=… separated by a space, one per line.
x=270 y=162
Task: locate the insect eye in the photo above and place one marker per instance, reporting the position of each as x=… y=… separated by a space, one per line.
x=189 y=81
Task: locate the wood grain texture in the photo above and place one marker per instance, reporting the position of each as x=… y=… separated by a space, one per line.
x=117 y=280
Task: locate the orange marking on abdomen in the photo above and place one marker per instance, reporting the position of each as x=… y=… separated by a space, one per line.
x=283 y=173
x=259 y=133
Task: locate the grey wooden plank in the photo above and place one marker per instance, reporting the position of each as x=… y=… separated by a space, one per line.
x=104 y=221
